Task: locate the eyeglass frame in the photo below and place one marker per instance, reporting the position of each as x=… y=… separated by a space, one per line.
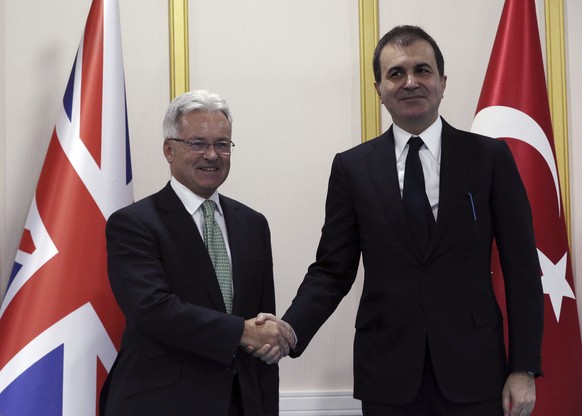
x=207 y=145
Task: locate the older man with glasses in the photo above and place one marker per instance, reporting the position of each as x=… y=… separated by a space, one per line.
x=191 y=269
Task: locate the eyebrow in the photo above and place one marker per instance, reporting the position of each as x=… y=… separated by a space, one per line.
x=417 y=66
x=203 y=139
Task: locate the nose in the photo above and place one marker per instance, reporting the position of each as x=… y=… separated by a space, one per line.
x=411 y=81
x=210 y=152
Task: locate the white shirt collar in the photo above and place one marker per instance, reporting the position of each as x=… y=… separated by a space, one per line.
x=191 y=201
x=431 y=138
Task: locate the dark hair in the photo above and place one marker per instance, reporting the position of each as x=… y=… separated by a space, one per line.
x=405 y=36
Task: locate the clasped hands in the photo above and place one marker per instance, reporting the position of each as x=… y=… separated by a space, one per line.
x=268 y=338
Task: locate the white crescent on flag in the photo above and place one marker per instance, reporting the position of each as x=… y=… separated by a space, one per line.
x=500 y=121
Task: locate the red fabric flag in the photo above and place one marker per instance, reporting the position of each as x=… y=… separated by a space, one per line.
x=514 y=107
x=59 y=323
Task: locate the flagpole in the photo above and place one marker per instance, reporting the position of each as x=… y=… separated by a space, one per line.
x=557 y=97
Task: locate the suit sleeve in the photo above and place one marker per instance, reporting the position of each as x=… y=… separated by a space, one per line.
x=268 y=374
x=139 y=282
x=331 y=277
x=514 y=235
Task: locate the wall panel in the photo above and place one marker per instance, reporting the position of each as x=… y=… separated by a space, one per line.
x=290 y=72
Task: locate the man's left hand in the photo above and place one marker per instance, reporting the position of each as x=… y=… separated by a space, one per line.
x=519 y=394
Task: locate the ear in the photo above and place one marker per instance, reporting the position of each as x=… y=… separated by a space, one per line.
x=377 y=86
x=168 y=151
x=444 y=83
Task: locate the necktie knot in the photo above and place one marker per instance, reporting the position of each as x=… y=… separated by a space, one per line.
x=414 y=144
x=208 y=207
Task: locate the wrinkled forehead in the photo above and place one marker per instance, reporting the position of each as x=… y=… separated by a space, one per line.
x=202 y=123
x=417 y=52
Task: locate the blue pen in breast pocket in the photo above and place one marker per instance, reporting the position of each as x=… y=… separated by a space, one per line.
x=470 y=195
x=474 y=212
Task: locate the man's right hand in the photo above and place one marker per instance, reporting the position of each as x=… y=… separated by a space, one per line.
x=267 y=337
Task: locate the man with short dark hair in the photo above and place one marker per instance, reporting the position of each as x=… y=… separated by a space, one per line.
x=422 y=205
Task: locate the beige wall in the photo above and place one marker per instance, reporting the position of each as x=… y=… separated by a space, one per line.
x=573 y=12
x=290 y=71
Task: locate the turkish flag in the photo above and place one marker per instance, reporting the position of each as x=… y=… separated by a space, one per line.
x=514 y=107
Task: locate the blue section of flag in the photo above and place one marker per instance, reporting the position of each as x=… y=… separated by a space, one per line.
x=38 y=390
x=68 y=98
x=128 y=174
x=15 y=269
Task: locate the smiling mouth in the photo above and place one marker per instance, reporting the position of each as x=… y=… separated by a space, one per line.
x=208 y=169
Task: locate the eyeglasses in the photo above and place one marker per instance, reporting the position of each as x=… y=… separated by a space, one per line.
x=222 y=147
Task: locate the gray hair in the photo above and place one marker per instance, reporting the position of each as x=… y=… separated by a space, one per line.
x=191 y=101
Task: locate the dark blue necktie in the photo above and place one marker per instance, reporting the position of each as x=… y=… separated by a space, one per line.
x=416 y=206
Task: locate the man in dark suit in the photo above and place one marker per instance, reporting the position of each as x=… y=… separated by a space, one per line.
x=190 y=269
x=429 y=332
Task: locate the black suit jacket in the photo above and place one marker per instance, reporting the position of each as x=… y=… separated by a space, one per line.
x=444 y=300
x=180 y=348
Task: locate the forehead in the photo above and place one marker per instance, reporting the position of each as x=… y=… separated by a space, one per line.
x=417 y=53
x=200 y=123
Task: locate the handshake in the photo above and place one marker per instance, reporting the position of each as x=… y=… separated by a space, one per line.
x=268 y=338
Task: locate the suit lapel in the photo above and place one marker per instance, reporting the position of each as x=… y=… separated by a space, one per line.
x=383 y=171
x=189 y=241
x=384 y=177
x=453 y=177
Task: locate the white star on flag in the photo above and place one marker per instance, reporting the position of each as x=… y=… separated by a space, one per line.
x=554 y=281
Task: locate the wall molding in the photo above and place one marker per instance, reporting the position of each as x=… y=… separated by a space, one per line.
x=370 y=104
x=319 y=403
x=179 y=49
x=558 y=98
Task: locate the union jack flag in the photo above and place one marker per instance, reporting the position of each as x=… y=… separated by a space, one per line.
x=59 y=323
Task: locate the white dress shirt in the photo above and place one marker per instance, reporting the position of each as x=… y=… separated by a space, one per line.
x=193 y=204
x=430 y=158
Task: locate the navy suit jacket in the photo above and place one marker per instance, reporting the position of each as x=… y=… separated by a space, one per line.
x=445 y=299
x=180 y=350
